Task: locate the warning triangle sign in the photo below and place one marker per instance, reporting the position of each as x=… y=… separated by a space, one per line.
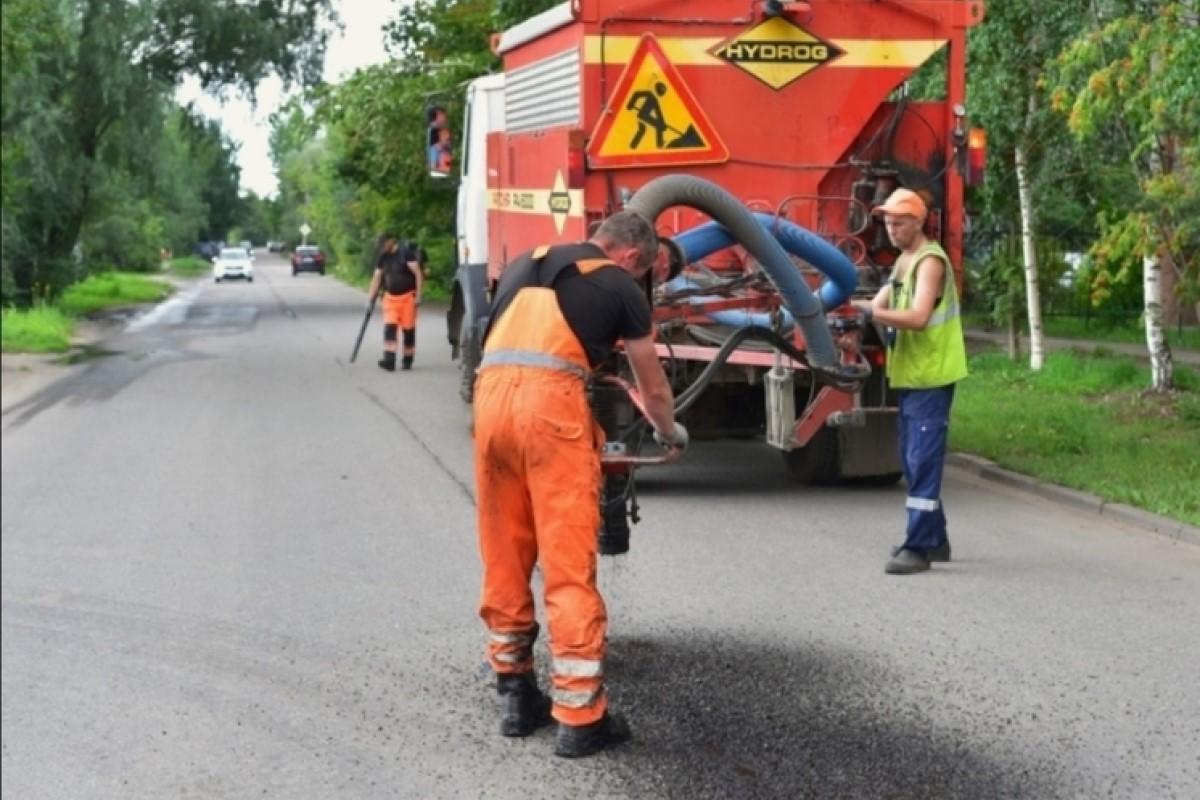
x=653 y=118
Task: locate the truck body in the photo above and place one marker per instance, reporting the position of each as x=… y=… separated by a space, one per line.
x=798 y=109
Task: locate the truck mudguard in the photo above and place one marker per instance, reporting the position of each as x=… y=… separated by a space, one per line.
x=472 y=281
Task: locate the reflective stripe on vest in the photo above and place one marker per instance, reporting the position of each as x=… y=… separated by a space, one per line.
x=532 y=331
x=527 y=358
x=935 y=356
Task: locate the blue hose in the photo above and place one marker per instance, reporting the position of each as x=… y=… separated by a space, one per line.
x=705 y=196
x=733 y=317
x=841 y=277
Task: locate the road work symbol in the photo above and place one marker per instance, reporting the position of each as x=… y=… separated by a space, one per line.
x=653 y=119
x=650 y=115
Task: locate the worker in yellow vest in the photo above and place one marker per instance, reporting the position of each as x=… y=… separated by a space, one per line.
x=926 y=358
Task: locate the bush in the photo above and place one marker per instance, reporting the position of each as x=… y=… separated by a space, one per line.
x=41 y=329
x=189 y=266
x=111 y=289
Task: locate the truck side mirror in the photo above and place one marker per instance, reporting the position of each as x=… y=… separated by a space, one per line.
x=439 y=142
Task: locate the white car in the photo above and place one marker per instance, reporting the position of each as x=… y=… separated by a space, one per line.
x=233 y=262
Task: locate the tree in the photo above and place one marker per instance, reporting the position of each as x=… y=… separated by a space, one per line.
x=100 y=86
x=1007 y=56
x=1135 y=81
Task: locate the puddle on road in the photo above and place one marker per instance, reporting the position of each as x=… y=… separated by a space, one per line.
x=88 y=352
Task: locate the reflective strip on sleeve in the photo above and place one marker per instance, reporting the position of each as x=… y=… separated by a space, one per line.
x=526 y=358
x=577 y=668
x=576 y=699
x=511 y=658
x=921 y=504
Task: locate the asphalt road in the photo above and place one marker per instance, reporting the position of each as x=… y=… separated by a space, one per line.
x=235 y=566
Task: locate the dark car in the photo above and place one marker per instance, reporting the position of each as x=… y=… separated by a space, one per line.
x=308 y=258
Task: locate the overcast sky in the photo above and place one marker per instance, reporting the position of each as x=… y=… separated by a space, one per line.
x=359 y=45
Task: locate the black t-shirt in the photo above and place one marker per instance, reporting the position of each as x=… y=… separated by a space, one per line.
x=601 y=307
x=397 y=277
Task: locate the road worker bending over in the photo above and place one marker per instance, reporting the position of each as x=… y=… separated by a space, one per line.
x=557 y=312
x=926 y=358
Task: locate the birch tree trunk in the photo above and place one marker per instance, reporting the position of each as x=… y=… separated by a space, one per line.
x=1162 y=367
x=1029 y=243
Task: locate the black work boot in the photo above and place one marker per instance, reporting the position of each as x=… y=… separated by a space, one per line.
x=523 y=707
x=906 y=562
x=388 y=362
x=940 y=554
x=577 y=741
x=406 y=363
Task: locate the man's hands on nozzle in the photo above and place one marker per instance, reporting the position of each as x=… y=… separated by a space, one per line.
x=677 y=438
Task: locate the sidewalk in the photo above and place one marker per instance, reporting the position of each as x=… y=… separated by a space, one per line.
x=1000 y=339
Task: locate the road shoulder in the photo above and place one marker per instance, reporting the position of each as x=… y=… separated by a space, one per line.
x=989 y=471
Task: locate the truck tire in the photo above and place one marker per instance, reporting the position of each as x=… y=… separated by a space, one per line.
x=469 y=357
x=816 y=463
x=613 y=539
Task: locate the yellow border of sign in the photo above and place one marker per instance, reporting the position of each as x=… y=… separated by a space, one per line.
x=648 y=47
x=692 y=51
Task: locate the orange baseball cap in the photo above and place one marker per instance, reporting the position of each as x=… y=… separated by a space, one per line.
x=903 y=201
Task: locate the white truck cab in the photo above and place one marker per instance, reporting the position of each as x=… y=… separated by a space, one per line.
x=484 y=114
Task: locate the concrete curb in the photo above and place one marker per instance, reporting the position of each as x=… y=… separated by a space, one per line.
x=1081 y=501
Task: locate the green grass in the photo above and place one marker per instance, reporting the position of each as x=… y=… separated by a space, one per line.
x=111 y=289
x=189 y=266
x=1128 y=332
x=42 y=329
x=1087 y=422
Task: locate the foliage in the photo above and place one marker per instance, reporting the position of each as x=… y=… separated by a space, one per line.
x=188 y=266
x=1094 y=429
x=1133 y=84
x=997 y=280
x=350 y=158
x=107 y=289
x=95 y=156
x=40 y=329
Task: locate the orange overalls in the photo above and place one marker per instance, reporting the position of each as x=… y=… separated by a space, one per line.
x=537 y=479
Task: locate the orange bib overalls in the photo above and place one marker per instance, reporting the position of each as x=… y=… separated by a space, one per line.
x=537 y=479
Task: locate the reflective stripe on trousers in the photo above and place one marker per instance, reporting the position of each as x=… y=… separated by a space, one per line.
x=512 y=650
x=537 y=479
x=924 y=422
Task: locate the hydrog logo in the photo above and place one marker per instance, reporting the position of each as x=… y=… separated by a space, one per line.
x=776 y=51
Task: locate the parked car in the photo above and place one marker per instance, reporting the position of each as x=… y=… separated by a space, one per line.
x=308 y=258
x=233 y=262
x=274 y=246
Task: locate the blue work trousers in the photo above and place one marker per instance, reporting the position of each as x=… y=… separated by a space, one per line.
x=924 y=423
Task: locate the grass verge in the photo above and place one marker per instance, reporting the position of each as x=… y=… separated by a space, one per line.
x=111 y=289
x=189 y=266
x=42 y=329
x=1087 y=422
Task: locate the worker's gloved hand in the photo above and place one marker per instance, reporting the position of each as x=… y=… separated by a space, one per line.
x=678 y=438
